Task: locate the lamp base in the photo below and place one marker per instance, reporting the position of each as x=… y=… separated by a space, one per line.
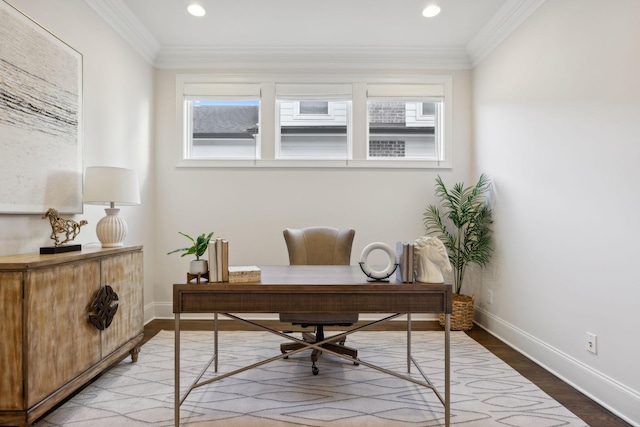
x=112 y=245
x=111 y=229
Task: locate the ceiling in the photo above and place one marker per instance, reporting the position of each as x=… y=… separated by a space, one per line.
x=167 y=35
x=352 y=23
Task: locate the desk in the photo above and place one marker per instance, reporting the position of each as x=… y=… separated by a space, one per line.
x=312 y=289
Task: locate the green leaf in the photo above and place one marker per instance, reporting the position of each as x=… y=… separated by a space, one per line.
x=463 y=223
x=199 y=247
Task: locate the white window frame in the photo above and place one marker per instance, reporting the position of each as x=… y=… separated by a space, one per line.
x=411 y=94
x=295 y=92
x=348 y=149
x=192 y=87
x=418 y=117
x=269 y=124
x=188 y=126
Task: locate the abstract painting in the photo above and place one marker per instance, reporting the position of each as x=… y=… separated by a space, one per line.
x=40 y=118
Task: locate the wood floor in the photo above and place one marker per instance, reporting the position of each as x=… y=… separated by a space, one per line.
x=589 y=411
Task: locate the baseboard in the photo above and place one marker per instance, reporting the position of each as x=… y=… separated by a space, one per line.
x=611 y=394
x=149 y=313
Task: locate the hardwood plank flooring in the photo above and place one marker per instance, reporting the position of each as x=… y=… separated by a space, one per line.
x=591 y=412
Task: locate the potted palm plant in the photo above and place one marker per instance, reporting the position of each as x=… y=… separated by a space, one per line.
x=463 y=222
x=198 y=248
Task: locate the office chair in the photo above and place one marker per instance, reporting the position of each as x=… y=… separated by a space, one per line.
x=319 y=246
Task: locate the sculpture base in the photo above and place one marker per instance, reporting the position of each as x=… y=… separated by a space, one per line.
x=370 y=279
x=378 y=276
x=60 y=249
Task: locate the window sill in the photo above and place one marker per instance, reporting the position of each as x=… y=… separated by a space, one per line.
x=336 y=164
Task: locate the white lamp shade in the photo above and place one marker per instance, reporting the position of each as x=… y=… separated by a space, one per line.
x=106 y=185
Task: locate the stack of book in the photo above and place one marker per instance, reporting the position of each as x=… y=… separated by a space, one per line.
x=404 y=258
x=219 y=260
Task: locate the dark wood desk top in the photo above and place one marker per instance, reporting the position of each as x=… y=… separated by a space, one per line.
x=312 y=289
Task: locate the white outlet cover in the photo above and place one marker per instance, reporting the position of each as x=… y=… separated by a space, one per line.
x=592 y=342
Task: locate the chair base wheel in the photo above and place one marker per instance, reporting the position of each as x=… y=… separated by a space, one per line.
x=315 y=370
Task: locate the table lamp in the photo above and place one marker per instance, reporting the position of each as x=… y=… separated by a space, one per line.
x=110 y=185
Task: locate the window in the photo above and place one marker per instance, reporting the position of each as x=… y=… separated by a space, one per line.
x=223 y=129
x=221 y=121
x=313 y=121
x=341 y=121
x=400 y=129
x=404 y=122
x=428 y=109
x=313 y=108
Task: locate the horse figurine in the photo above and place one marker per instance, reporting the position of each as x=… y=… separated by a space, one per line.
x=59 y=225
x=430 y=260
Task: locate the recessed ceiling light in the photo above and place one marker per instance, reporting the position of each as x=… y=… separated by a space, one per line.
x=196 y=10
x=431 y=11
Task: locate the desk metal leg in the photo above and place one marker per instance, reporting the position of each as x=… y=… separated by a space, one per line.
x=306 y=345
x=409 y=342
x=215 y=341
x=177 y=370
x=447 y=369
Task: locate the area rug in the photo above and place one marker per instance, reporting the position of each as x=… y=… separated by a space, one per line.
x=484 y=390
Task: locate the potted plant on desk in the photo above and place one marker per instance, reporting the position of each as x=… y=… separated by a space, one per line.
x=199 y=247
x=463 y=223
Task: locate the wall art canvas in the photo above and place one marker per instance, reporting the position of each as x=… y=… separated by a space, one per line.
x=40 y=118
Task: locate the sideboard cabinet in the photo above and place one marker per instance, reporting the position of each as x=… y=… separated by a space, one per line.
x=60 y=327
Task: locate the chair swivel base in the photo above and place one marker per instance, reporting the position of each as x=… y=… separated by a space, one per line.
x=337 y=348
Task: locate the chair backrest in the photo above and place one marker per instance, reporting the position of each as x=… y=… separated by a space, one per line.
x=319 y=245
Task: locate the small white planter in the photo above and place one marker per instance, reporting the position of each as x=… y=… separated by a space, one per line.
x=198 y=266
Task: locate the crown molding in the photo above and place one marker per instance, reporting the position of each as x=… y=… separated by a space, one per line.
x=316 y=57
x=502 y=24
x=509 y=17
x=128 y=26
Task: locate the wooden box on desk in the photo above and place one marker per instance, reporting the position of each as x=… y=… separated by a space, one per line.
x=244 y=274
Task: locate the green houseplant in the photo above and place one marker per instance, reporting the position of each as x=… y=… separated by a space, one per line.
x=463 y=222
x=198 y=248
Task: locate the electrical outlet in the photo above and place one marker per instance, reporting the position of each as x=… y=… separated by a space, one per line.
x=489 y=296
x=592 y=343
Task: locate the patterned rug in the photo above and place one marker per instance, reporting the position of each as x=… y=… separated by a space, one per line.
x=484 y=391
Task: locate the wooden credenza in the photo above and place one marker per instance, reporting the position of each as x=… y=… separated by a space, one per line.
x=48 y=346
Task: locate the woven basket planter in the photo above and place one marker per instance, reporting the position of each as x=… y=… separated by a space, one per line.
x=462 y=315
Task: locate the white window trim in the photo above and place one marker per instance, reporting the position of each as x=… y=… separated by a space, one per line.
x=359 y=126
x=438 y=128
x=187 y=133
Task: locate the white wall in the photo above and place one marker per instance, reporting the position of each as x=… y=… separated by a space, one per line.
x=118 y=117
x=251 y=207
x=557 y=127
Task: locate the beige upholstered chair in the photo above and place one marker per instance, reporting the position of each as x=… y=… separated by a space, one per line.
x=319 y=246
